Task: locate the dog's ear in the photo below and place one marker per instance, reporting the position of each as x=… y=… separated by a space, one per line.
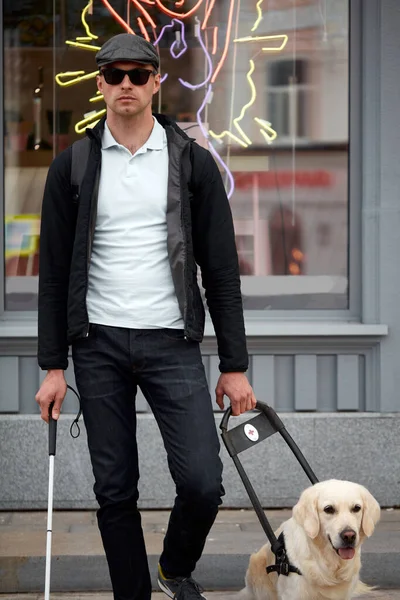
x=371 y=512
x=305 y=512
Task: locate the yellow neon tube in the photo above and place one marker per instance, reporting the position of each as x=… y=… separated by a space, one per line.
x=85 y=11
x=263 y=38
x=247 y=141
x=84 y=46
x=96 y=98
x=219 y=136
x=89 y=121
x=268 y=132
x=250 y=103
x=77 y=77
x=259 y=15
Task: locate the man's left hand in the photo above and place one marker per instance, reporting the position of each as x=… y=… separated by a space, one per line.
x=239 y=391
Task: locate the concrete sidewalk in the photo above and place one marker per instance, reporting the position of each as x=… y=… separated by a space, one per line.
x=79 y=564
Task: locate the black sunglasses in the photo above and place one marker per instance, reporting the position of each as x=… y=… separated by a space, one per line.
x=137 y=76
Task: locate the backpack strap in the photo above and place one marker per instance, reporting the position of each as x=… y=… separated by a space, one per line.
x=79 y=160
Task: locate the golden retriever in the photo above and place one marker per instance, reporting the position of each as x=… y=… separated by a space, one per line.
x=323 y=539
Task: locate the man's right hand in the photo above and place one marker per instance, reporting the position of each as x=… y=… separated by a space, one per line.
x=53 y=389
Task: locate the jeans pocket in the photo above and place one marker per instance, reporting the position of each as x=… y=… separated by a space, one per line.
x=84 y=342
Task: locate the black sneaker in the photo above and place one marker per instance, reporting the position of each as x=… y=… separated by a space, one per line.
x=179 y=588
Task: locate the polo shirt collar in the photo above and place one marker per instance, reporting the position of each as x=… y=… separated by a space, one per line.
x=108 y=140
x=156 y=141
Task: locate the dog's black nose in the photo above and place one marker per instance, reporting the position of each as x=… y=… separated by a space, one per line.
x=349 y=536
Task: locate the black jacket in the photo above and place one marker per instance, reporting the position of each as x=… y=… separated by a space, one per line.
x=200 y=232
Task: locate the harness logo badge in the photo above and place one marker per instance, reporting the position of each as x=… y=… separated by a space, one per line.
x=251 y=432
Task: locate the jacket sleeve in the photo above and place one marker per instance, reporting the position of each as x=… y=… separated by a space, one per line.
x=57 y=232
x=215 y=252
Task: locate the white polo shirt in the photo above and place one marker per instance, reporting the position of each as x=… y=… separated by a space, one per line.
x=130 y=281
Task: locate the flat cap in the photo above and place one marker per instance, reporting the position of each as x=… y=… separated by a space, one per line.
x=127 y=47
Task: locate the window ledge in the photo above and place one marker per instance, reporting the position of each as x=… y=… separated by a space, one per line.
x=307 y=329
x=18 y=329
x=28 y=329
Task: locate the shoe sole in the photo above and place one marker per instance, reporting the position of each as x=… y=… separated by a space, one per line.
x=164 y=589
x=168 y=592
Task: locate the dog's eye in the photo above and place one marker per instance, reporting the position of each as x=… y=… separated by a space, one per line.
x=330 y=510
x=356 y=508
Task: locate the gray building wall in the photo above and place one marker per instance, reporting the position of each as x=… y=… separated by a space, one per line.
x=333 y=377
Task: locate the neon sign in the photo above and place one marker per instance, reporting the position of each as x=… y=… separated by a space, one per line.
x=179 y=16
x=266 y=129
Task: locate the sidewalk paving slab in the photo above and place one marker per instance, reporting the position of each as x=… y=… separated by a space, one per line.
x=79 y=565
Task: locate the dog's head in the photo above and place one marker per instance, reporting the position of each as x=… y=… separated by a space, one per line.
x=342 y=512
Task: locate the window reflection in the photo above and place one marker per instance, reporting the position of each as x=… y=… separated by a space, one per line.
x=262 y=85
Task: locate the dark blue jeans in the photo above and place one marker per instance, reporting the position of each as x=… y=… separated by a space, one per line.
x=109 y=365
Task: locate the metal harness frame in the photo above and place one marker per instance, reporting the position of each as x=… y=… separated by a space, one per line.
x=236 y=441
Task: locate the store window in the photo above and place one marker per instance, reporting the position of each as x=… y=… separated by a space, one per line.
x=262 y=85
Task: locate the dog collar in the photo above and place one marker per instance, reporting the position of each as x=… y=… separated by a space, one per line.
x=282 y=565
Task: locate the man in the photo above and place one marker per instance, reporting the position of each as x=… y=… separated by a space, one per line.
x=118 y=281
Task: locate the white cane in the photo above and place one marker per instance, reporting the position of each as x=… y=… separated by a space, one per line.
x=52 y=453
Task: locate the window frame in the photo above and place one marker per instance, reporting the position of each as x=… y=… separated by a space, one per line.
x=355 y=177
